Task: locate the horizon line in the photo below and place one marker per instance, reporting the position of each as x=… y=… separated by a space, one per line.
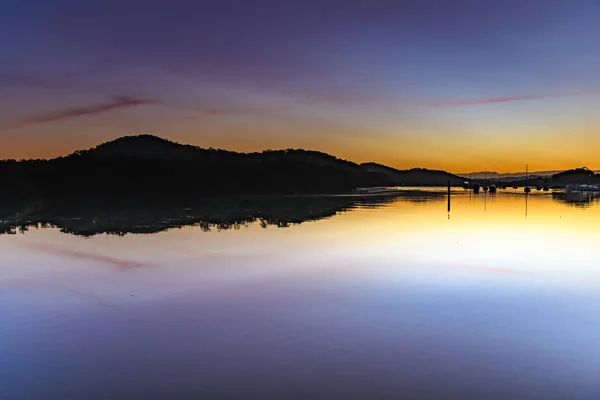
x=461 y=174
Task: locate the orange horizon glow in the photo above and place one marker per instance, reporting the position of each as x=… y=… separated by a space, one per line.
x=452 y=160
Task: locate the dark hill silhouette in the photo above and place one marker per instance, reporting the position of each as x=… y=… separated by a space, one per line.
x=414 y=176
x=153 y=147
x=507 y=175
x=153 y=166
x=581 y=175
x=144 y=146
x=574 y=176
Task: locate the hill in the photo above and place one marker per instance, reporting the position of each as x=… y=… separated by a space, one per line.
x=581 y=175
x=147 y=165
x=507 y=175
x=491 y=175
x=574 y=176
x=414 y=176
x=153 y=147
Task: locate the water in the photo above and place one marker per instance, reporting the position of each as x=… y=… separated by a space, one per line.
x=391 y=298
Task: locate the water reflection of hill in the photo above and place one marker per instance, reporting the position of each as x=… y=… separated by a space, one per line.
x=93 y=216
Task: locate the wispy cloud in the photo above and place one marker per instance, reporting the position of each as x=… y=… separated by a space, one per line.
x=233 y=112
x=77 y=254
x=335 y=99
x=66 y=114
x=344 y=100
x=492 y=100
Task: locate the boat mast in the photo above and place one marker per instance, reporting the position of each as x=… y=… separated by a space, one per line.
x=527 y=189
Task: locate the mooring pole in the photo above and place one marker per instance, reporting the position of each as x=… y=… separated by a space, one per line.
x=448 y=195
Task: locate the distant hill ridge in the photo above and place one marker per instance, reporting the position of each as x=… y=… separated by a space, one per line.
x=152 y=166
x=414 y=176
x=148 y=165
x=506 y=175
x=150 y=146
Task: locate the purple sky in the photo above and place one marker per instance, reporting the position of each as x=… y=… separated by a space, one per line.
x=459 y=85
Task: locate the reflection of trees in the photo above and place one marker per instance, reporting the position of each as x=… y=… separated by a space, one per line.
x=119 y=215
x=576 y=199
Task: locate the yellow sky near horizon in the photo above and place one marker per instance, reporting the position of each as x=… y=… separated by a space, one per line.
x=554 y=134
x=441 y=156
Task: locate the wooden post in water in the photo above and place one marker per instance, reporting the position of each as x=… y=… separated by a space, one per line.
x=448 y=195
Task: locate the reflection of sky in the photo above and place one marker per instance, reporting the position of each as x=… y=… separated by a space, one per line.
x=399 y=298
x=460 y=85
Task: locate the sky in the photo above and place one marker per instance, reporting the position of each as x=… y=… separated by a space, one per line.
x=460 y=85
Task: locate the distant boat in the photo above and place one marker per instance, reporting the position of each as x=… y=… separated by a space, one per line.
x=492 y=188
x=538 y=188
x=515 y=187
x=485 y=188
x=466 y=185
x=545 y=188
x=475 y=187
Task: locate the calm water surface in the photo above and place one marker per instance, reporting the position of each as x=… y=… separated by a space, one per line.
x=498 y=299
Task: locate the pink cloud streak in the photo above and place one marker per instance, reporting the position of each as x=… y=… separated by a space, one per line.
x=343 y=100
x=116 y=103
x=224 y=112
x=332 y=99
